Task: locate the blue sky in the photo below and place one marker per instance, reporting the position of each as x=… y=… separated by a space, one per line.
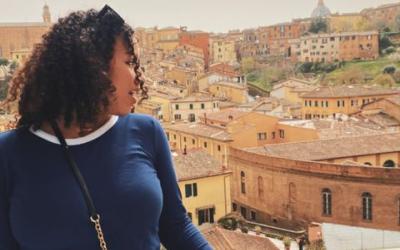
x=207 y=15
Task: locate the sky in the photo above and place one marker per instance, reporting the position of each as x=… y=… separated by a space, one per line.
x=206 y=15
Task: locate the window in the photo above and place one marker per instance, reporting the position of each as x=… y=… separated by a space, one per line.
x=191 y=118
x=206 y=215
x=184 y=138
x=219 y=147
x=342 y=103
x=252 y=215
x=242 y=182
x=190 y=190
x=281 y=133
x=234 y=206
x=389 y=164
x=305 y=103
x=315 y=103
x=326 y=202
x=273 y=135
x=190 y=216
x=191 y=106
x=243 y=211
x=177 y=117
x=338 y=103
x=167 y=135
x=367 y=206
x=326 y=103
x=309 y=103
x=202 y=106
x=176 y=106
x=205 y=144
x=174 y=136
x=193 y=141
x=261 y=136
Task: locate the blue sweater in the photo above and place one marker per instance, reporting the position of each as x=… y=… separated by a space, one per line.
x=128 y=169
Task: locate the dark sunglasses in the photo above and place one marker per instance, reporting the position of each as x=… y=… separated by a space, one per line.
x=108 y=11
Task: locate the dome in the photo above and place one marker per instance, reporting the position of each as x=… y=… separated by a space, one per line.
x=321 y=10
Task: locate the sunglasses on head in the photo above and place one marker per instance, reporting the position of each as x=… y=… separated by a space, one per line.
x=107 y=10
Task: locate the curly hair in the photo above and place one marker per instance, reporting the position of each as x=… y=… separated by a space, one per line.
x=67 y=74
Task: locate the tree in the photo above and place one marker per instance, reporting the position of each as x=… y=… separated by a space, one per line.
x=248 y=64
x=318 y=25
x=3 y=61
x=384 y=42
x=390 y=69
x=385 y=80
x=353 y=75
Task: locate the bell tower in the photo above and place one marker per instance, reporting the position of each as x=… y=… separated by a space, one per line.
x=46 y=14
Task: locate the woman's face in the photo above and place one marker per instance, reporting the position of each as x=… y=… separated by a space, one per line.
x=123 y=77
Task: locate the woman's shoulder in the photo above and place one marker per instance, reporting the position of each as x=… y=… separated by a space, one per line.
x=10 y=136
x=142 y=121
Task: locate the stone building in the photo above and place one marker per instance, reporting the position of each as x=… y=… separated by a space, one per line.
x=17 y=40
x=290 y=185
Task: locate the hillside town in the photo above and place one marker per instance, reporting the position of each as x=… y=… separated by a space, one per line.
x=284 y=136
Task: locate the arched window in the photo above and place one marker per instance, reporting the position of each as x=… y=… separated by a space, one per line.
x=367 y=206
x=326 y=201
x=242 y=182
x=389 y=164
x=260 y=187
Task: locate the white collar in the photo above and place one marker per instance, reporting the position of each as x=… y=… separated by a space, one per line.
x=80 y=140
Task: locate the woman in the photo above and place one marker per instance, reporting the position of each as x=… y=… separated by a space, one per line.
x=81 y=84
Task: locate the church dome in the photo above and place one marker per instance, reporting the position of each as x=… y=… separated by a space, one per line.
x=321 y=10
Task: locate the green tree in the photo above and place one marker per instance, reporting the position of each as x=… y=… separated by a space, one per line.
x=248 y=64
x=318 y=25
x=385 y=80
x=3 y=61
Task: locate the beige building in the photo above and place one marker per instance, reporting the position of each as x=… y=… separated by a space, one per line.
x=292 y=89
x=223 y=51
x=347 y=99
x=205 y=188
x=233 y=92
x=335 y=47
x=168 y=38
x=192 y=107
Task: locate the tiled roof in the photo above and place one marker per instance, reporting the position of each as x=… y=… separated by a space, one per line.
x=230 y=84
x=394 y=99
x=196 y=98
x=333 y=148
x=226 y=115
x=200 y=129
x=196 y=163
x=348 y=91
x=222 y=239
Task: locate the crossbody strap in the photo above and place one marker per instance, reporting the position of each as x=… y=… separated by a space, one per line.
x=93 y=215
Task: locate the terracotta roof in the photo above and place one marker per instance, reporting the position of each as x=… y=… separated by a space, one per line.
x=226 y=115
x=222 y=239
x=348 y=91
x=394 y=99
x=197 y=98
x=333 y=148
x=196 y=163
x=230 y=84
x=201 y=129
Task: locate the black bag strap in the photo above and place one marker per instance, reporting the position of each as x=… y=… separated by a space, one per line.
x=94 y=216
x=75 y=170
